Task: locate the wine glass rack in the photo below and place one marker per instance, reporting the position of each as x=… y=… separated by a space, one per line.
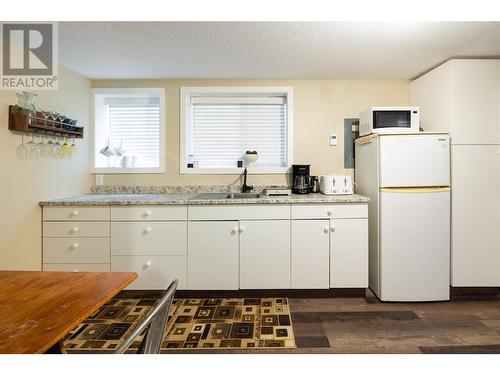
x=22 y=120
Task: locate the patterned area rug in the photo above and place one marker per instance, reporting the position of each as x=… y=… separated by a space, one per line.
x=193 y=324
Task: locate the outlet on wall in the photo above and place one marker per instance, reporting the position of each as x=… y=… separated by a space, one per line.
x=99 y=179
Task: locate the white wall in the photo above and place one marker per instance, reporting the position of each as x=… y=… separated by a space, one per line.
x=25 y=182
x=319 y=109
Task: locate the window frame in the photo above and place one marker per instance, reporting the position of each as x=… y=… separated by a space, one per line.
x=185 y=118
x=118 y=170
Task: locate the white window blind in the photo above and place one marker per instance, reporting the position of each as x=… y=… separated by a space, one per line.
x=134 y=122
x=224 y=128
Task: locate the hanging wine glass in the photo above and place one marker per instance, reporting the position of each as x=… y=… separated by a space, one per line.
x=50 y=148
x=31 y=148
x=22 y=150
x=72 y=149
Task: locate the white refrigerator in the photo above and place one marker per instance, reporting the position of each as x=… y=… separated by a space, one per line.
x=407 y=178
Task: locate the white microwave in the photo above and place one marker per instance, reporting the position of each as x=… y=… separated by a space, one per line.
x=389 y=120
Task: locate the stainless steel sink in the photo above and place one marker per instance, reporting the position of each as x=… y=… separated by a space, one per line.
x=243 y=196
x=211 y=196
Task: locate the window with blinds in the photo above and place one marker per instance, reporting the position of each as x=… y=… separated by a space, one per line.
x=128 y=130
x=222 y=128
x=133 y=124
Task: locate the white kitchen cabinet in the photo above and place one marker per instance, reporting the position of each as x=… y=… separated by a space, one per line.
x=349 y=253
x=462 y=97
x=149 y=238
x=149 y=213
x=475 y=101
x=310 y=254
x=475 y=231
x=76 y=267
x=265 y=254
x=329 y=211
x=76 y=229
x=213 y=255
x=76 y=213
x=76 y=250
x=207 y=247
x=154 y=272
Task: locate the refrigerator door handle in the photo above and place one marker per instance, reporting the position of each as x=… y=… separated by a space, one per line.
x=440 y=189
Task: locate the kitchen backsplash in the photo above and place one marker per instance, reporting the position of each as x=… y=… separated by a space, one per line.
x=181 y=189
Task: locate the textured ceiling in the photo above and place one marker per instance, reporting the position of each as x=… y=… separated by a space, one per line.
x=275 y=50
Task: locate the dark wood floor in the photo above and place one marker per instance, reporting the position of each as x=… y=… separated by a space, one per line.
x=364 y=325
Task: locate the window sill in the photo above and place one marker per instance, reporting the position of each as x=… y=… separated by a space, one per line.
x=234 y=171
x=126 y=170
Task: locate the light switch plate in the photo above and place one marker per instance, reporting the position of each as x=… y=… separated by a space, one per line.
x=333 y=139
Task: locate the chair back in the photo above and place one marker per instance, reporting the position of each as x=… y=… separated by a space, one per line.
x=154 y=323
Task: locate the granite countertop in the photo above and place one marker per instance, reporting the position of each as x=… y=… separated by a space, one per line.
x=189 y=199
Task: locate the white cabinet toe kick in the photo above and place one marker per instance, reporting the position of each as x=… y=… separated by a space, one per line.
x=269 y=246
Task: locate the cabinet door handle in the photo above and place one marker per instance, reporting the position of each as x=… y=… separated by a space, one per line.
x=147 y=213
x=326 y=230
x=74 y=230
x=241 y=229
x=74 y=246
x=234 y=230
x=329 y=212
x=148 y=230
x=75 y=213
x=332 y=228
x=76 y=271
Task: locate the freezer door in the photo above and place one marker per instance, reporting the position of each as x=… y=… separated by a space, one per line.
x=414 y=160
x=414 y=244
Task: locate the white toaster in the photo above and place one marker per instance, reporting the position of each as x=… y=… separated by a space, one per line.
x=336 y=184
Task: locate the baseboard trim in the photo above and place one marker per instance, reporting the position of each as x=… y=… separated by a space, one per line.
x=251 y=293
x=474 y=293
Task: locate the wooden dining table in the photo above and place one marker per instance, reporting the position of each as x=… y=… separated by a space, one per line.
x=37 y=309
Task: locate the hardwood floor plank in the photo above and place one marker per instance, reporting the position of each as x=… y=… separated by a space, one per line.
x=310 y=317
x=466 y=349
x=312 y=342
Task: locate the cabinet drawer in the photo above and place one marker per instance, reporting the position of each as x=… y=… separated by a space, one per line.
x=327 y=211
x=76 y=250
x=76 y=213
x=76 y=229
x=240 y=212
x=154 y=272
x=76 y=267
x=149 y=238
x=149 y=213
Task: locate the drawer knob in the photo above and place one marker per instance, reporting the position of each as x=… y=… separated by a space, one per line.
x=234 y=230
x=332 y=228
x=241 y=229
x=148 y=230
x=147 y=213
x=75 y=213
x=329 y=212
x=76 y=271
x=75 y=230
x=147 y=265
x=74 y=246
x=326 y=230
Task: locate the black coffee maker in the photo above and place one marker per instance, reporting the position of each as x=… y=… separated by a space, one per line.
x=301 y=178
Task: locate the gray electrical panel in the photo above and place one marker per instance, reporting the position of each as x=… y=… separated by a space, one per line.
x=351 y=132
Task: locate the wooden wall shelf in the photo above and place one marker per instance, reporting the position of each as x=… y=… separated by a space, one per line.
x=20 y=120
